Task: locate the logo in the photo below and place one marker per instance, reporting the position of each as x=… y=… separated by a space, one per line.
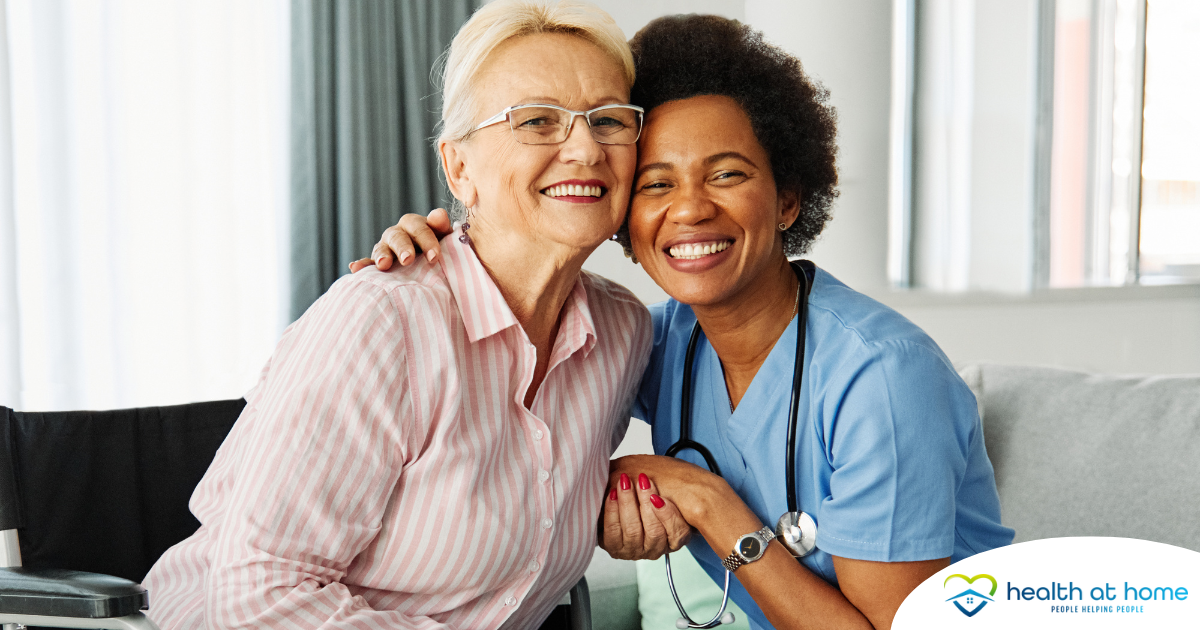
x=970 y=601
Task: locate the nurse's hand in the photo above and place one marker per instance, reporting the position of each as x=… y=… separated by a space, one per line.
x=411 y=235
x=638 y=524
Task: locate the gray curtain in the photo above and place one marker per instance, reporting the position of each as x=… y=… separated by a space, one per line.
x=363 y=113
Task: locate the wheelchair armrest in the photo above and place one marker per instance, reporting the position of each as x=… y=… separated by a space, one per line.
x=581 y=606
x=62 y=593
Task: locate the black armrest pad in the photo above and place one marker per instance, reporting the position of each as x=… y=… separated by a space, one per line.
x=62 y=593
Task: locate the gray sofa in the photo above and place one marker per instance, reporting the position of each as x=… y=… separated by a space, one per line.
x=1076 y=454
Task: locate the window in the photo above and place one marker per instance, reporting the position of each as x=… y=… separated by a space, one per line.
x=143 y=163
x=1045 y=144
x=1170 y=199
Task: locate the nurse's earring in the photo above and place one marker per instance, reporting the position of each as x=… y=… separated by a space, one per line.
x=782 y=227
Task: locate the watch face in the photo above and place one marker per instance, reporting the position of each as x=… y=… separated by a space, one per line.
x=749 y=547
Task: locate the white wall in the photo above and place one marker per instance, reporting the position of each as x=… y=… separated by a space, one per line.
x=1135 y=330
x=847 y=46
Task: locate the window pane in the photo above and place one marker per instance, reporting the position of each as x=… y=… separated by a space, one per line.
x=1069 y=160
x=1170 y=218
x=1096 y=137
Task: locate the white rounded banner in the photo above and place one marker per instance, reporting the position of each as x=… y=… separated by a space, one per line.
x=1061 y=583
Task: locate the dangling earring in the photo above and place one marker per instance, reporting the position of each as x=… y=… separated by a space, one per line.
x=463 y=238
x=782 y=227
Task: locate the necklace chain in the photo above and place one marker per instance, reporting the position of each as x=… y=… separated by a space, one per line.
x=795 y=309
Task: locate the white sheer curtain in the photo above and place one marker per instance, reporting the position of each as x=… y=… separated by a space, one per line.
x=143 y=164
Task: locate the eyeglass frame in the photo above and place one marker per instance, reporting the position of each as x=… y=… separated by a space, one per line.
x=503 y=117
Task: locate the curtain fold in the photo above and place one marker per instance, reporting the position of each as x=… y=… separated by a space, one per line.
x=363 y=116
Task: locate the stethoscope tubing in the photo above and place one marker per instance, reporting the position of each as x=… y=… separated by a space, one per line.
x=691 y=623
x=797 y=381
x=685 y=441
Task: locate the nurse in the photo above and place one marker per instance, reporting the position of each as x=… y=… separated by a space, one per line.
x=735 y=175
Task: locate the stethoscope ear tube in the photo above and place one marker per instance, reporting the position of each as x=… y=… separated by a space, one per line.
x=796 y=530
x=797 y=381
x=685 y=410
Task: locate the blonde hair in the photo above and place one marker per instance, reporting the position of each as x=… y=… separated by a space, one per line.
x=502 y=20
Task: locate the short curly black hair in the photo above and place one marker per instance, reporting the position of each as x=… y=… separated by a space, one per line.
x=681 y=56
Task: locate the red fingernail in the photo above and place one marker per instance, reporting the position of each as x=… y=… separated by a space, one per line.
x=625 y=485
x=643 y=481
x=612 y=496
x=657 y=501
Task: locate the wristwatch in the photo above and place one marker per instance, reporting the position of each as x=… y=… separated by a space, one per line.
x=749 y=548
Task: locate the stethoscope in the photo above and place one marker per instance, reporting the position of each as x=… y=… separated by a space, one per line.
x=796 y=530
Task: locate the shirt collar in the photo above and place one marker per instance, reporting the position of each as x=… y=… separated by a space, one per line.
x=577 y=330
x=484 y=311
x=480 y=303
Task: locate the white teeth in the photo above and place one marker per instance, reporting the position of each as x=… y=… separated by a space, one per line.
x=692 y=251
x=573 y=190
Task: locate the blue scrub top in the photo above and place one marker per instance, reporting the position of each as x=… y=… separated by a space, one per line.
x=890 y=460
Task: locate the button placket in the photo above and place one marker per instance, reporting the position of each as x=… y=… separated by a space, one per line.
x=544 y=451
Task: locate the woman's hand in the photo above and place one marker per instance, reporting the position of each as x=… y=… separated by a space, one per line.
x=398 y=241
x=637 y=523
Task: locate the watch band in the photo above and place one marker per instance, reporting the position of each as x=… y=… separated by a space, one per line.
x=735 y=559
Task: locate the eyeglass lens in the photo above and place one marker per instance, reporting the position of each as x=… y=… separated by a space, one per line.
x=547 y=125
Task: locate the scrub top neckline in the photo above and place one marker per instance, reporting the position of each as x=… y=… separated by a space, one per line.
x=774 y=374
x=740 y=428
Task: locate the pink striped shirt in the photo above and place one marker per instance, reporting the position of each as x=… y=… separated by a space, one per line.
x=386 y=474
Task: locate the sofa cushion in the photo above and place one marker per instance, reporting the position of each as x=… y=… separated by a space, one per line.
x=1079 y=454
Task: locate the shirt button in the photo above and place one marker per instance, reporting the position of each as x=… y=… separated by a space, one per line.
x=534 y=566
x=510 y=601
x=547 y=523
x=537 y=434
x=543 y=476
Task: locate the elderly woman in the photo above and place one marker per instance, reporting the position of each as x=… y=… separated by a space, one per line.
x=735 y=174
x=428 y=448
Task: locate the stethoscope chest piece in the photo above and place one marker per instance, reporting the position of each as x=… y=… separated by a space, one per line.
x=797 y=531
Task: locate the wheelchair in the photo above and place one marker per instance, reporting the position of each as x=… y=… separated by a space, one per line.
x=89 y=500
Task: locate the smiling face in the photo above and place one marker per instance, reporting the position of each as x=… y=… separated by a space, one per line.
x=705 y=212
x=573 y=194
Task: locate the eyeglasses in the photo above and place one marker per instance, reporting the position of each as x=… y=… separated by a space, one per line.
x=551 y=124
